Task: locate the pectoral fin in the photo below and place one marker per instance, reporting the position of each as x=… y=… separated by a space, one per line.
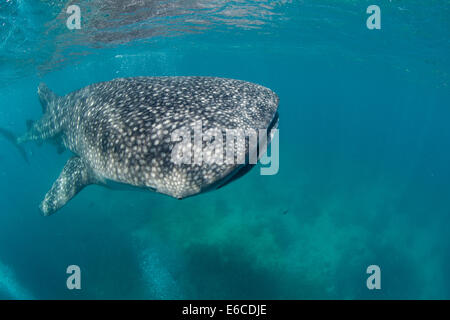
x=73 y=178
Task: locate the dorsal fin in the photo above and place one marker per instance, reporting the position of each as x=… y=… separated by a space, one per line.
x=46 y=96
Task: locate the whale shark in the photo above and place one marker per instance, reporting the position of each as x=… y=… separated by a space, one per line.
x=121 y=132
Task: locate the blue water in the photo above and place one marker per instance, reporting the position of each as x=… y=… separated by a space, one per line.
x=364 y=153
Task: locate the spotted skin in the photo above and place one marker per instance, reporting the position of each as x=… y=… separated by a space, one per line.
x=120 y=131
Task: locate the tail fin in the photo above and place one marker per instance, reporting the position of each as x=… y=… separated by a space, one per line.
x=40 y=130
x=11 y=137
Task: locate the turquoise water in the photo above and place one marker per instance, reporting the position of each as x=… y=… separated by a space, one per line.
x=364 y=153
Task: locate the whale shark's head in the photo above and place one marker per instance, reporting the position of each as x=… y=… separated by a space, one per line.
x=219 y=145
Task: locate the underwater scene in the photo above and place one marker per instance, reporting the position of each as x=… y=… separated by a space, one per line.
x=361 y=91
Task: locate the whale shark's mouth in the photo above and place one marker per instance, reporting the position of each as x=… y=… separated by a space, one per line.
x=246 y=167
